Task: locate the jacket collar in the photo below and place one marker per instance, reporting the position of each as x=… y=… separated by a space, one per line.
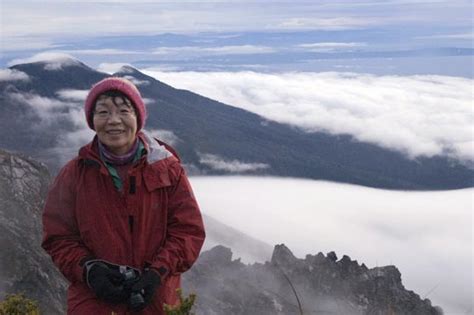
x=155 y=161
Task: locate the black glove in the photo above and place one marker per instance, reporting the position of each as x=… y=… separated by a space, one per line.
x=146 y=286
x=106 y=282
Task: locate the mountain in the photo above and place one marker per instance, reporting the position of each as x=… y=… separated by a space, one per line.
x=319 y=284
x=211 y=137
x=24 y=266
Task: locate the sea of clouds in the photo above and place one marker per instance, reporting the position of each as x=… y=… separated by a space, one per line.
x=427 y=235
x=421 y=115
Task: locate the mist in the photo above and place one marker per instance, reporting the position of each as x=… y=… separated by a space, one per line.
x=427 y=235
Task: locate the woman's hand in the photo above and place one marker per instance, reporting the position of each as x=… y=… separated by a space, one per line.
x=107 y=283
x=146 y=286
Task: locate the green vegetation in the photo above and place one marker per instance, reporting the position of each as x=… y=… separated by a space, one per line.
x=18 y=304
x=183 y=307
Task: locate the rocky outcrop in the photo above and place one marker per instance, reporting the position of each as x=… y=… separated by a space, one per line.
x=319 y=284
x=24 y=267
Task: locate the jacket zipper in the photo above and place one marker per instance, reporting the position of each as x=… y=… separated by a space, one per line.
x=131 y=218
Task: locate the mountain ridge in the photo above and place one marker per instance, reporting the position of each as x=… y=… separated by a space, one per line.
x=204 y=127
x=318 y=284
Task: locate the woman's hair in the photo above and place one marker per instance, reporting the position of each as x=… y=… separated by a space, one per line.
x=114 y=95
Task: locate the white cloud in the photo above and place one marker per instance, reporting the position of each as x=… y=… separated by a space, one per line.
x=73 y=95
x=24 y=42
x=66 y=19
x=166 y=136
x=53 y=60
x=220 y=164
x=148 y=101
x=13 y=75
x=223 y=50
x=417 y=115
x=111 y=68
x=136 y=81
x=329 y=23
x=330 y=46
x=71 y=18
x=69 y=143
x=48 y=109
x=104 y=51
x=39 y=103
x=427 y=235
x=466 y=36
x=240 y=50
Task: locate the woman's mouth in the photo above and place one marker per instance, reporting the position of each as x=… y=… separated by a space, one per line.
x=115 y=132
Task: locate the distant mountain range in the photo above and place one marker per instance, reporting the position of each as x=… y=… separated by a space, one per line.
x=211 y=137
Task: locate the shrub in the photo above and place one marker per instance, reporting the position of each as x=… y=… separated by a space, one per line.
x=183 y=307
x=18 y=304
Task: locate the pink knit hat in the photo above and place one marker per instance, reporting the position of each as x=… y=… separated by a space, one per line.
x=115 y=84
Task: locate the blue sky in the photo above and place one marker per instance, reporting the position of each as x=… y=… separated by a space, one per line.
x=380 y=37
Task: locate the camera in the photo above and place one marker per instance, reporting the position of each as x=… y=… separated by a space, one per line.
x=130 y=277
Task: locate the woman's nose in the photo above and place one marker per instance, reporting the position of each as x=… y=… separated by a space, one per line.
x=114 y=117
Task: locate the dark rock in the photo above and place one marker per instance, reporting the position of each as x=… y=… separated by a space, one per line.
x=332 y=256
x=320 y=284
x=218 y=255
x=282 y=256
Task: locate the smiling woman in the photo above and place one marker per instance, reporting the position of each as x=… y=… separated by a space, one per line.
x=121 y=222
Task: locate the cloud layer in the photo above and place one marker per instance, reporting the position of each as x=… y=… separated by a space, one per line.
x=73 y=95
x=53 y=60
x=167 y=136
x=60 y=18
x=417 y=115
x=13 y=75
x=234 y=166
x=427 y=235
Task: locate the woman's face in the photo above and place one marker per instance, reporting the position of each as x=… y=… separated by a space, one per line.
x=115 y=123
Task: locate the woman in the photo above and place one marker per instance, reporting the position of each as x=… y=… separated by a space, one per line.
x=121 y=222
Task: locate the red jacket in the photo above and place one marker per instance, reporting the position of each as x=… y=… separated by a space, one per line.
x=154 y=221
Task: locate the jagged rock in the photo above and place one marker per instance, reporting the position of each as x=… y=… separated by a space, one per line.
x=24 y=267
x=348 y=267
x=322 y=284
x=282 y=256
x=332 y=256
x=217 y=256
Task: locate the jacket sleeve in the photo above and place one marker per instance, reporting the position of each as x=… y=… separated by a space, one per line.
x=185 y=229
x=61 y=238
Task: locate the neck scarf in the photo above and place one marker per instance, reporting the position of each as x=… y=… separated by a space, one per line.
x=114 y=159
